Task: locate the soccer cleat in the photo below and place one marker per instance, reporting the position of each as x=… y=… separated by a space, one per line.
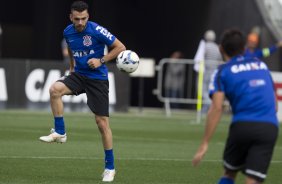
x=54 y=137
x=108 y=175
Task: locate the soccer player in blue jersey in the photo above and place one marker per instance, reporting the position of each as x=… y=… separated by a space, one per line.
x=252 y=49
x=88 y=74
x=248 y=86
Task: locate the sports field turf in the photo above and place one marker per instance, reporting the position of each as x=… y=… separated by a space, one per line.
x=149 y=149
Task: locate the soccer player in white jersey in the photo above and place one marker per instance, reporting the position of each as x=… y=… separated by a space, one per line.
x=88 y=74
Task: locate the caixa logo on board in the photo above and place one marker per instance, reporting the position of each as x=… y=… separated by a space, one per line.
x=37 y=88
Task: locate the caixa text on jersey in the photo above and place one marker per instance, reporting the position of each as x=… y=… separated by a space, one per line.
x=82 y=53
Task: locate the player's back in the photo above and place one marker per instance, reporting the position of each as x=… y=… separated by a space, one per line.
x=248 y=85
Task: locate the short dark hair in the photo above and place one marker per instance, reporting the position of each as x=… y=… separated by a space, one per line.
x=79 y=6
x=233 y=42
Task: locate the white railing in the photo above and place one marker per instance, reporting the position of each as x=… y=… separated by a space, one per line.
x=191 y=84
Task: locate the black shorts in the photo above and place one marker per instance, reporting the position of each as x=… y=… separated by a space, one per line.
x=249 y=148
x=97 y=91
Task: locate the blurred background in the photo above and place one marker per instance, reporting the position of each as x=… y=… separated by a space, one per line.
x=32 y=31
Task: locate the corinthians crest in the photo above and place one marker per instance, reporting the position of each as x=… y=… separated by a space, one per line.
x=87 y=40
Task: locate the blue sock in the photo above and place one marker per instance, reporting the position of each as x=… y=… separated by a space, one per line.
x=109 y=159
x=59 y=125
x=225 y=180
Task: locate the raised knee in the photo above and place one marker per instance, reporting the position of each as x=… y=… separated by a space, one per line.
x=54 y=90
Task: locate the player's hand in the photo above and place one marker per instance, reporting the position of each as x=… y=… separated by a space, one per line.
x=200 y=154
x=94 y=63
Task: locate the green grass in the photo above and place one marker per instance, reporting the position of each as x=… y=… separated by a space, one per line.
x=149 y=149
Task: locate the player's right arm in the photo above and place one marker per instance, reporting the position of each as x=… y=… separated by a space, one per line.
x=72 y=62
x=213 y=117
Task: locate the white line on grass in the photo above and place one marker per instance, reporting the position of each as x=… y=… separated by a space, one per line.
x=96 y=158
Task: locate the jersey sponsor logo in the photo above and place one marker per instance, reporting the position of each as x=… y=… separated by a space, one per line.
x=82 y=53
x=248 y=67
x=87 y=40
x=105 y=32
x=257 y=82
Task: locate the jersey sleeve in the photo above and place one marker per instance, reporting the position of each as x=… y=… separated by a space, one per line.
x=268 y=51
x=103 y=35
x=265 y=52
x=66 y=33
x=216 y=83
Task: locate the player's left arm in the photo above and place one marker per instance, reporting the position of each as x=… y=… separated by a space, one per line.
x=213 y=117
x=114 y=49
x=266 y=52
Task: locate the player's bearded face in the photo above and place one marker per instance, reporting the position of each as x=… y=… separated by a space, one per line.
x=79 y=19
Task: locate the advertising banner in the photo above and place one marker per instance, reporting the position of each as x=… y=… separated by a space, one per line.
x=277 y=78
x=25 y=84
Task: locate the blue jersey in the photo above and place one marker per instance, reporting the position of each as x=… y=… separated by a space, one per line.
x=248 y=86
x=90 y=43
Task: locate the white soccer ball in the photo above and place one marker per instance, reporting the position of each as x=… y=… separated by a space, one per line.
x=127 y=61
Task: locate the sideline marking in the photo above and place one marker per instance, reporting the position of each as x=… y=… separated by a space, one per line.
x=95 y=158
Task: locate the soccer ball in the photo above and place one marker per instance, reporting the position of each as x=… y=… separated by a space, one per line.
x=127 y=61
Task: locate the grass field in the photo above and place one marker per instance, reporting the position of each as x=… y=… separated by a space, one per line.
x=149 y=149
